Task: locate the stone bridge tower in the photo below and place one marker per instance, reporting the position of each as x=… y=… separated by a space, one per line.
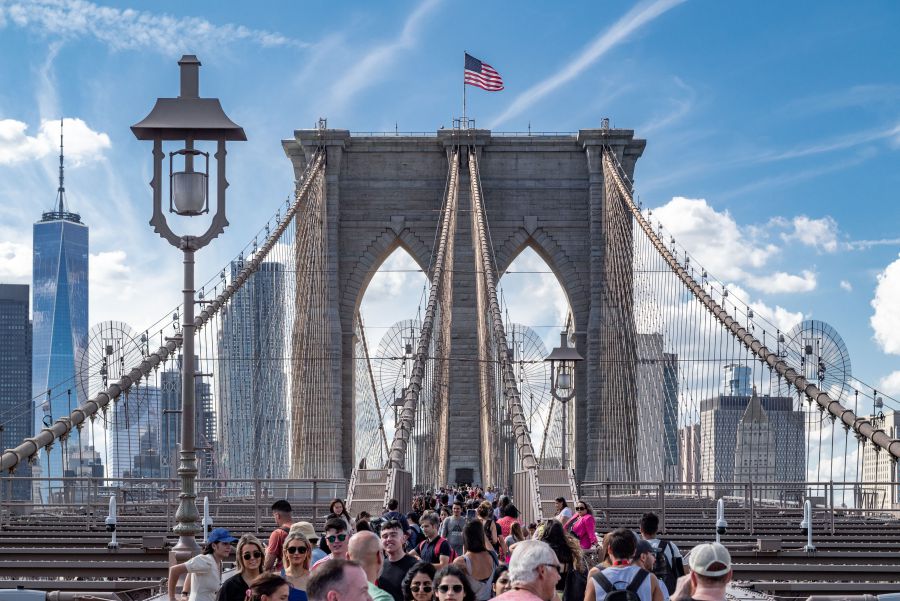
x=543 y=191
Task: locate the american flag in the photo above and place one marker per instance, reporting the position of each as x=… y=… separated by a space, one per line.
x=482 y=75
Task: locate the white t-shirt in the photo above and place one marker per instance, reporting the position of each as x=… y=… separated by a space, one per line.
x=206 y=578
x=565 y=515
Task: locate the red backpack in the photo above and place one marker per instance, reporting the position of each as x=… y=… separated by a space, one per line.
x=437 y=547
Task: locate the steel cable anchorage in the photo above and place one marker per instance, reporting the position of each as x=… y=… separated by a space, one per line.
x=406 y=422
x=63 y=426
x=861 y=425
x=489 y=273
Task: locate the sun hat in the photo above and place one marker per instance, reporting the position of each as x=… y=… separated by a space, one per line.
x=307 y=530
x=704 y=556
x=220 y=535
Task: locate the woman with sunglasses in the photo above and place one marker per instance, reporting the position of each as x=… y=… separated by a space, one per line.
x=583 y=526
x=296 y=565
x=249 y=558
x=419 y=582
x=452 y=584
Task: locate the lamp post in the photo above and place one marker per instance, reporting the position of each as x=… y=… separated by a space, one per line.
x=562 y=383
x=187 y=119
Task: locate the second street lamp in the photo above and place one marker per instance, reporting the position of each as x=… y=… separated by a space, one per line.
x=188 y=119
x=562 y=383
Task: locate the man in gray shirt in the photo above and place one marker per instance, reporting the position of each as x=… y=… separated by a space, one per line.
x=452 y=528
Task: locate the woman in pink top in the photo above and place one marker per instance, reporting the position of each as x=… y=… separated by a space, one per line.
x=510 y=515
x=582 y=525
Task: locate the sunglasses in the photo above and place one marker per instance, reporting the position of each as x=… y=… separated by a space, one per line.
x=255 y=555
x=296 y=550
x=446 y=588
x=582 y=508
x=425 y=588
x=336 y=537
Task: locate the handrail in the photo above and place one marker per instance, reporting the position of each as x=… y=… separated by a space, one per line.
x=859 y=424
x=64 y=425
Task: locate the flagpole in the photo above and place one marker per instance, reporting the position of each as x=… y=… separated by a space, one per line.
x=464 y=91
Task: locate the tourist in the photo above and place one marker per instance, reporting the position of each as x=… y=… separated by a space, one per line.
x=434 y=548
x=501 y=580
x=419 y=582
x=710 y=574
x=397 y=561
x=297 y=554
x=452 y=528
x=478 y=562
x=205 y=569
x=444 y=513
x=365 y=549
x=281 y=513
x=623 y=574
x=582 y=525
x=533 y=573
x=563 y=511
x=492 y=531
x=338 y=510
x=567 y=550
x=249 y=559
x=336 y=539
x=338 y=580
x=508 y=515
x=392 y=512
x=414 y=534
x=669 y=565
x=531 y=531
x=307 y=530
x=268 y=587
x=605 y=561
x=515 y=535
x=451 y=584
x=501 y=505
x=645 y=557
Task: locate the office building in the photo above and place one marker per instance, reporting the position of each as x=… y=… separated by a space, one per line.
x=16 y=406
x=60 y=317
x=880 y=473
x=657 y=395
x=204 y=423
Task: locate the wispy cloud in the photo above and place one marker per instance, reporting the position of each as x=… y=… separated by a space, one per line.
x=854 y=96
x=839 y=143
x=633 y=20
x=793 y=177
x=680 y=106
x=129 y=29
x=371 y=68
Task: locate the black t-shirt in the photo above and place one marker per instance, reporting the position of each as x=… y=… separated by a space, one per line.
x=430 y=551
x=392 y=575
x=233 y=589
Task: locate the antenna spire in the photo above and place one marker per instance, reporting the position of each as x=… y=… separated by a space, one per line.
x=61 y=191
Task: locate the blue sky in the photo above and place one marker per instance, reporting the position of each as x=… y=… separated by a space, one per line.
x=776 y=123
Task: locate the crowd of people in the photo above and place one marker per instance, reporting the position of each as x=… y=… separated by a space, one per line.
x=457 y=544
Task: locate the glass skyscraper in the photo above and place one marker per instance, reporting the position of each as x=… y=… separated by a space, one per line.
x=16 y=408
x=60 y=321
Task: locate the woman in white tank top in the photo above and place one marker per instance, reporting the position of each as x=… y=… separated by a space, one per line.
x=478 y=562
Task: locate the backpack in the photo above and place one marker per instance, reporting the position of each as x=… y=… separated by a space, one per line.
x=576 y=583
x=437 y=548
x=629 y=593
x=665 y=572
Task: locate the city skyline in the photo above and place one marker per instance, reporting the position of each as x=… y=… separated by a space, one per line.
x=721 y=150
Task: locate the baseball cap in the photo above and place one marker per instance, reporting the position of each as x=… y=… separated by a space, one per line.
x=220 y=535
x=306 y=529
x=708 y=554
x=643 y=547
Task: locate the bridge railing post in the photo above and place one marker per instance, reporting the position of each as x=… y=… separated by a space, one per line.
x=661 y=494
x=256 y=504
x=751 y=507
x=831 y=502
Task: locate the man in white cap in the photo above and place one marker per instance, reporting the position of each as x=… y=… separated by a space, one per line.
x=710 y=574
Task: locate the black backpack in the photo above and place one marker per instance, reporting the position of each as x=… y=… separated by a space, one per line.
x=629 y=593
x=662 y=569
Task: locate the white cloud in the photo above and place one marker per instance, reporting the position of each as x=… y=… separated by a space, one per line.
x=372 y=66
x=129 y=29
x=890 y=384
x=15 y=262
x=885 y=321
x=632 y=21
x=783 y=283
x=712 y=237
x=846 y=286
x=821 y=234
x=781 y=318
x=532 y=296
x=82 y=144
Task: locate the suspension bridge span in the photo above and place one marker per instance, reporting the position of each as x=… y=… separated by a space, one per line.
x=685 y=390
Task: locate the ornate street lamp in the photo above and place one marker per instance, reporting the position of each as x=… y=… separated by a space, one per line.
x=562 y=382
x=188 y=119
